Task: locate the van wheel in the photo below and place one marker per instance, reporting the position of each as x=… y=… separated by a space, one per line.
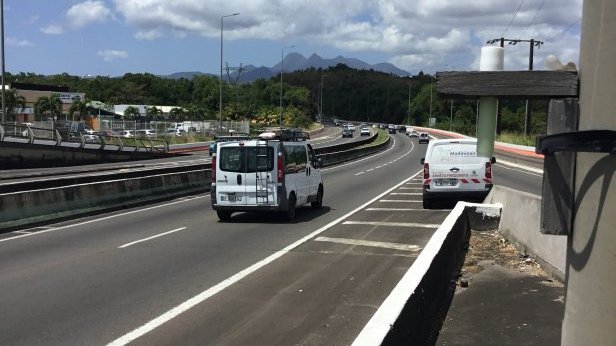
x=290 y=213
x=319 y=202
x=223 y=215
x=427 y=204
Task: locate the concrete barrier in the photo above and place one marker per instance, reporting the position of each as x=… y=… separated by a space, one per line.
x=32 y=207
x=520 y=223
x=414 y=310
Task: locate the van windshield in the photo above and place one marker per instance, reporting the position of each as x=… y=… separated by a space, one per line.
x=246 y=159
x=456 y=153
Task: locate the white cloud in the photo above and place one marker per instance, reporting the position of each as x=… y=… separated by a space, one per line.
x=52 y=29
x=12 y=41
x=416 y=32
x=112 y=54
x=87 y=12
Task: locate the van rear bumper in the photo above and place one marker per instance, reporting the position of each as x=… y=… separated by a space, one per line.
x=472 y=195
x=281 y=206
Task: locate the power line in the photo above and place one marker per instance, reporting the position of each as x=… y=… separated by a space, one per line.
x=513 y=18
x=557 y=36
x=536 y=13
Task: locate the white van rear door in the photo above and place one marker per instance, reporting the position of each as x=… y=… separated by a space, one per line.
x=230 y=174
x=455 y=166
x=261 y=174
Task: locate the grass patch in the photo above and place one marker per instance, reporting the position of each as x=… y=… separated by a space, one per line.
x=516 y=138
x=382 y=137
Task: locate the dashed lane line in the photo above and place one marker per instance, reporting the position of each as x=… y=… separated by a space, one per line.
x=399 y=201
x=406 y=193
x=370 y=243
x=150 y=238
x=404 y=209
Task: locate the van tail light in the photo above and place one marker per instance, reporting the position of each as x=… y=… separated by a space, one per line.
x=488 y=170
x=280 y=168
x=213 y=175
x=426 y=171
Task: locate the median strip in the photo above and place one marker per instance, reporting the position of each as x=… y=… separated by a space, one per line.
x=369 y=243
x=392 y=224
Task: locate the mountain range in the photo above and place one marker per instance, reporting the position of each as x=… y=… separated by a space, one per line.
x=296 y=62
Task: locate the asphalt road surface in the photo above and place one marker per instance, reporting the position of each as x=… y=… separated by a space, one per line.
x=170 y=273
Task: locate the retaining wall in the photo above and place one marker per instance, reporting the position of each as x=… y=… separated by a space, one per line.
x=520 y=223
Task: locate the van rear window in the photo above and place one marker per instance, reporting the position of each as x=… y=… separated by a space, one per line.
x=455 y=153
x=246 y=159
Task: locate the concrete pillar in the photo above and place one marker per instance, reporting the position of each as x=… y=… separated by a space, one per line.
x=590 y=310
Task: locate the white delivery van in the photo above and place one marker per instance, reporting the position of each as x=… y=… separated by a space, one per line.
x=276 y=173
x=453 y=171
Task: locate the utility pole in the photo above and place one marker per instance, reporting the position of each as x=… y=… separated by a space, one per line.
x=533 y=43
x=408 y=112
x=2 y=48
x=590 y=308
x=430 y=119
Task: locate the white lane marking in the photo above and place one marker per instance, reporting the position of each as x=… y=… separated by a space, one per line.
x=22 y=232
x=413 y=183
x=399 y=200
x=404 y=209
x=360 y=173
x=369 y=243
x=370 y=170
x=516 y=165
x=406 y=193
x=201 y=297
x=103 y=218
x=366 y=158
x=410 y=188
x=150 y=238
x=392 y=224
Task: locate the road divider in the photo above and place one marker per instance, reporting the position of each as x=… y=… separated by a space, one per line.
x=413 y=311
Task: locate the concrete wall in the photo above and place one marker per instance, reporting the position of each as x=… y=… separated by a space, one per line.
x=520 y=223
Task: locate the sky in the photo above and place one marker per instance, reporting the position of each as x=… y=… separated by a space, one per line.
x=114 y=37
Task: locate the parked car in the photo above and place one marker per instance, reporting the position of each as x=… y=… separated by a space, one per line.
x=364 y=131
x=175 y=132
x=452 y=170
x=279 y=173
x=127 y=134
x=424 y=138
x=146 y=133
x=347 y=132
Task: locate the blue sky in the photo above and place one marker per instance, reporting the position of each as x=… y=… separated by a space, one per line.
x=113 y=37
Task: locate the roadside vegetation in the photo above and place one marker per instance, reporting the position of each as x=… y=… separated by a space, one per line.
x=355 y=95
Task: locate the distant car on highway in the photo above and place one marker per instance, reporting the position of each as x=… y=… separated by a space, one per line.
x=391 y=129
x=351 y=126
x=364 y=131
x=401 y=128
x=452 y=170
x=424 y=138
x=347 y=132
x=413 y=134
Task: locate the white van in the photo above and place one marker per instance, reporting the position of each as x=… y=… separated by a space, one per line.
x=452 y=170
x=278 y=173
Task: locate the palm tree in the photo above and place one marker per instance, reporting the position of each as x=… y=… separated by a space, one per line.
x=131 y=113
x=80 y=107
x=154 y=112
x=11 y=101
x=51 y=104
x=177 y=113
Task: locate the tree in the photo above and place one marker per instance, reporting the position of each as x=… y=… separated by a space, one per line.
x=80 y=107
x=131 y=113
x=154 y=112
x=177 y=113
x=12 y=101
x=51 y=104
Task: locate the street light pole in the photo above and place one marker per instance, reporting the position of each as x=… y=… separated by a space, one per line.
x=220 y=83
x=281 y=72
x=2 y=48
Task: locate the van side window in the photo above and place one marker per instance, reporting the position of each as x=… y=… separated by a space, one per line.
x=295 y=158
x=312 y=156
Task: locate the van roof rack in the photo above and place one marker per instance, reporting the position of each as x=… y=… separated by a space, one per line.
x=288 y=135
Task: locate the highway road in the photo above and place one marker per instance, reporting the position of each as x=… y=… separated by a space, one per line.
x=170 y=273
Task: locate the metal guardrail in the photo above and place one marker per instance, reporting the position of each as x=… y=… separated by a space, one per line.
x=31 y=133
